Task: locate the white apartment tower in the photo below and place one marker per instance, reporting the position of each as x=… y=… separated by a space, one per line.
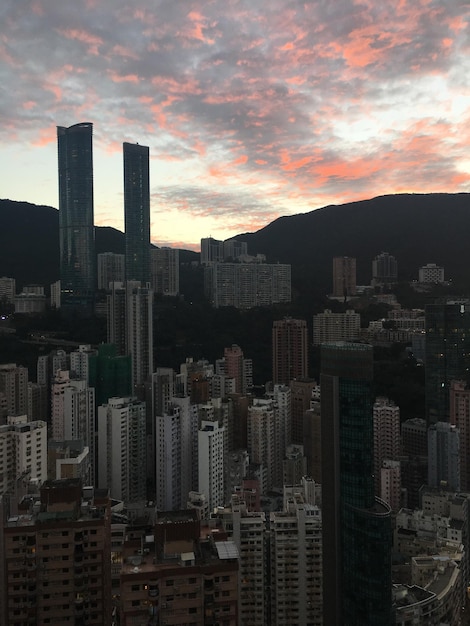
x=121 y=442
x=23 y=452
x=211 y=462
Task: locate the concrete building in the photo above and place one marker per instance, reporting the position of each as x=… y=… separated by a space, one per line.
x=81 y=362
x=68 y=459
x=414 y=437
x=328 y=327
x=14 y=387
x=56 y=566
x=28 y=303
x=237 y=367
x=23 y=452
x=460 y=418
x=55 y=295
x=264 y=441
x=344 y=277
x=175 y=454
x=7 y=290
x=290 y=350
x=176 y=572
x=301 y=397
x=390 y=484
x=312 y=442
x=165 y=271
x=130 y=326
x=121 y=441
x=111 y=269
x=431 y=273
x=211 y=462
x=214 y=251
x=386 y=436
x=296 y=562
x=384 y=269
x=247 y=285
x=444 y=455
x=137 y=212
x=294 y=465
x=76 y=222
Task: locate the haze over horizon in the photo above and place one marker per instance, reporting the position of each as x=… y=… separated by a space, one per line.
x=251 y=110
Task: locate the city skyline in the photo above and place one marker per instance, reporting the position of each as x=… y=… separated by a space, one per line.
x=250 y=112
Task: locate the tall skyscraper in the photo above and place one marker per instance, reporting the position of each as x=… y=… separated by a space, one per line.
x=137 y=212
x=357 y=536
x=444 y=455
x=76 y=230
x=447 y=354
x=460 y=417
x=290 y=350
x=344 y=276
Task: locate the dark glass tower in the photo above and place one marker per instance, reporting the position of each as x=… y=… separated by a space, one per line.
x=137 y=212
x=357 y=535
x=447 y=354
x=76 y=230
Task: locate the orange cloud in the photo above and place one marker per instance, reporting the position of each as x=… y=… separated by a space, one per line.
x=92 y=41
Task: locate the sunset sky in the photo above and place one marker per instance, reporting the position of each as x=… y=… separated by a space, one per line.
x=252 y=109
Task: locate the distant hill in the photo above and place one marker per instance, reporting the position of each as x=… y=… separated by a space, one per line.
x=415 y=228
x=29 y=242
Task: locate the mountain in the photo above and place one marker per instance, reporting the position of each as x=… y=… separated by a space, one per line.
x=415 y=228
x=29 y=242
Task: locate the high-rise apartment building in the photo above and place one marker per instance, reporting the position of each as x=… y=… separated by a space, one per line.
x=357 y=585
x=211 y=462
x=237 y=367
x=384 y=269
x=344 y=276
x=121 y=442
x=137 y=212
x=264 y=436
x=444 y=455
x=7 y=290
x=386 y=436
x=111 y=269
x=130 y=326
x=14 y=387
x=165 y=271
x=301 y=396
x=328 y=327
x=460 y=417
x=23 y=452
x=431 y=273
x=290 y=350
x=447 y=354
x=76 y=229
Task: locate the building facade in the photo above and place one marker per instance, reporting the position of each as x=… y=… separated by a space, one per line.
x=290 y=350
x=344 y=277
x=328 y=327
x=165 y=271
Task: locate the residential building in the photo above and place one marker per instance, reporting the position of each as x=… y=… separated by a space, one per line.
x=328 y=326
x=55 y=295
x=301 y=396
x=384 y=269
x=137 y=212
x=237 y=367
x=7 y=290
x=357 y=546
x=165 y=271
x=247 y=285
x=121 y=441
x=390 y=483
x=76 y=228
x=14 y=387
x=386 y=437
x=23 y=452
x=431 y=273
x=444 y=455
x=290 y=350
x=68 y=459
x=344 y=277
x=264 y=436
x=460 y=418
x=211 y=462
x=111 y=269
x=56 y=566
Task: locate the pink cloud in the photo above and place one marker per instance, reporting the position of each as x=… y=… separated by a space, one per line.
x=92 y=41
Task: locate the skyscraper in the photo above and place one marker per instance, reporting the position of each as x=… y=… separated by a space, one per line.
x=344 y=276
x=137 y=212
x=290 y=356
x=357 y=585
x=76 y=230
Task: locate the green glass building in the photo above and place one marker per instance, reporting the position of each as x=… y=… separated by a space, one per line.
x=357 y=534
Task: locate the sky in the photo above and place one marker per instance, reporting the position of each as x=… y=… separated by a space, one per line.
x=252 y=109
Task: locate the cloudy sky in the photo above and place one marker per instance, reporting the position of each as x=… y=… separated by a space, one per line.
x=252 y=109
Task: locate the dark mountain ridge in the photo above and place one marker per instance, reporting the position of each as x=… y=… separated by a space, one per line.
x=415 y=228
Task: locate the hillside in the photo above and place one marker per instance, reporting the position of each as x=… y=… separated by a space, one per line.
x=415 y=228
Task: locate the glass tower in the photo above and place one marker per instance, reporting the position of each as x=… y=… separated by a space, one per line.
x=76 y=230
x=357 y=535
x=137 y=212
